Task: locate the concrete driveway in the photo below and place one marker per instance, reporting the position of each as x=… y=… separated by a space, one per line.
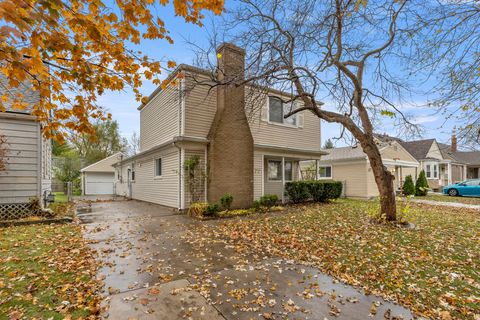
x=155 y=267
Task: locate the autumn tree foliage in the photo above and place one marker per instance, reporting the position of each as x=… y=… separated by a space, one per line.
x=71 y=52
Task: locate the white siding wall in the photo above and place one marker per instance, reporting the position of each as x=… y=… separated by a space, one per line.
x=21 y=180
x=163 y=190
x=159 y=119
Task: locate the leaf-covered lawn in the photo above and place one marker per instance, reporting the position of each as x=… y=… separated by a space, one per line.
x=445 y=198
x=47 y=272
x=434 y=269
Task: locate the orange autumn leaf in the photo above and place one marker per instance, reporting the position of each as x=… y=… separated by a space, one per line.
x=70 y=53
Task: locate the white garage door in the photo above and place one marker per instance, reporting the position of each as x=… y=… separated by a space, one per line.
x=99 y=183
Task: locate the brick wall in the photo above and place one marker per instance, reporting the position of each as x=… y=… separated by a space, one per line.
x=230 y=152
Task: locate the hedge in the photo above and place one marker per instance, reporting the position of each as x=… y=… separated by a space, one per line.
x=316 y=190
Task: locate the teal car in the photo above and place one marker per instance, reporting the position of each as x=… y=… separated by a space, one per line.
x=467 y=188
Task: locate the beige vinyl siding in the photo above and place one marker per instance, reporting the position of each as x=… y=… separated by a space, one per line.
x=265 y=133
x=434 y=152
x=159 y=119
x=200 y=107
x=201 y=171
x=163 y=190
x=396 y=151
x=21 y=180
x=457 y=173
x=355 y=176
x=257 y=175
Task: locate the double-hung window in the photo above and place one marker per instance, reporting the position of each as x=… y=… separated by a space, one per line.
x=325 y=172
x=277 y=109
x=158 y=167
x=431 y=170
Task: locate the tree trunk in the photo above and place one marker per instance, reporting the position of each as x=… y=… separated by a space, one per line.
x=384 y=180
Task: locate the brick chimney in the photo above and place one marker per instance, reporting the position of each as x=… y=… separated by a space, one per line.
x=454 y=142
x=230 y=151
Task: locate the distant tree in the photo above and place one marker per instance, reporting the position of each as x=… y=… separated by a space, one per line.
x=72 y=52
x=421 y=186
x=328 y=144
x=67 y=167
x=58 y=148
x=133 y=144
x=408 y=186
x=104 y=142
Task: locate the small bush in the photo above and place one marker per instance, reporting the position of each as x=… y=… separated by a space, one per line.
x=226 y=201
x=297 y=191
x=197 y=209
x=408 y=186
x=256 y=205
x=211 y=209
x=324 y=190
x=268 y=200
x=421 y=187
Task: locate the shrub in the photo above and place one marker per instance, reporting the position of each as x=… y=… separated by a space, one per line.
x=197 y=209
x=226 y=201
x=421 y=187
x=268 y=200
x=408 y=186
x=256 y=205
x=211 y=209
x=324 y=190
x=297 y=191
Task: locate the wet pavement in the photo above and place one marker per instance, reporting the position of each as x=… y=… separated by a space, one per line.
x=156 y=267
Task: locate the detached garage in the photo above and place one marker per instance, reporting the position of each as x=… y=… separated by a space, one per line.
x=98 y=178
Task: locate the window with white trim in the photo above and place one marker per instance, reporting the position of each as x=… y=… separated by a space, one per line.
x=288 y=170
x=275 y=170
x=431 y=170
x=158 y=167
x=277 y=109
x=325 y=172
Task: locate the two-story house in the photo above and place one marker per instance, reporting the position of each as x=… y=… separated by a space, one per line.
x=245 y=145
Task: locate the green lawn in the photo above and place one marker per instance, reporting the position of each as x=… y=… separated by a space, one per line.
x=434 y=269
x=445 y=198
x=60 y=197
x=46 y=272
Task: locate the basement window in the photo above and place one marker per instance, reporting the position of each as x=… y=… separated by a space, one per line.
x=277 y=109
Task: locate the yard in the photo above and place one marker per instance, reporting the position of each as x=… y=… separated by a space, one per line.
x=46 y=272
x=445 y=198
x=433 y=269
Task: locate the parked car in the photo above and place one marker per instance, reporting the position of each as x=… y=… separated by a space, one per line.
x=469 y=188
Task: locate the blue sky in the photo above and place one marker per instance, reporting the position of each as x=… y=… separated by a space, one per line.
x=123 y=106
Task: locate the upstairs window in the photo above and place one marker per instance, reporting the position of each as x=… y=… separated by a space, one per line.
x=277 y=109
x=158 y=167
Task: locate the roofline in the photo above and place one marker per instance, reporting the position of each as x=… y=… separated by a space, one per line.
x=193 y=69
x=113 y=155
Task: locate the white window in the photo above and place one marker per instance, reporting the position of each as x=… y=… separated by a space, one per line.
x=431 y=170
x=325 y=172
x=158 y=167
x=277 y=109
x=288 y=170
x=275 y=170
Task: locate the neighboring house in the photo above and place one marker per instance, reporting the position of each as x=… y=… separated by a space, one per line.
x=351 y=166
x=28 y=171
x=244 y=144
x=99 y=177
x=443 y=163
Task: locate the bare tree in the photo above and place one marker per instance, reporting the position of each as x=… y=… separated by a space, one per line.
x=446 y=43
x=335 y=51
x=133 y=144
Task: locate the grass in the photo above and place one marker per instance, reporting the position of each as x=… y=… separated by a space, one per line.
x=445 y=198
x=433 y=269
x=46 y=272
x=60 y=197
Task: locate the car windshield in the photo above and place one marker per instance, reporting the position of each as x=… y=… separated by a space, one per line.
x=474 y=182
